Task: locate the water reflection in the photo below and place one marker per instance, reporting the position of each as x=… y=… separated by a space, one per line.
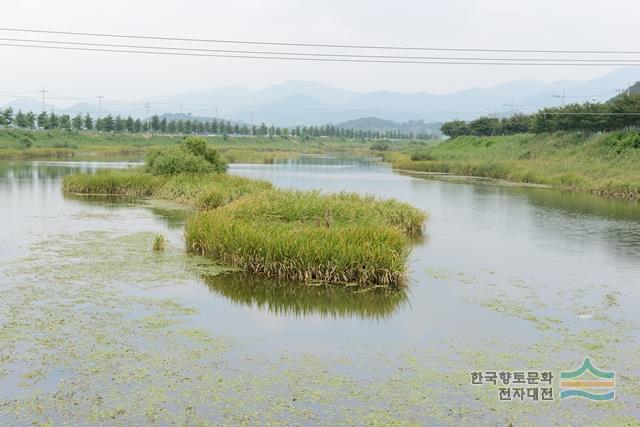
x=174 y=217
x=301 y=300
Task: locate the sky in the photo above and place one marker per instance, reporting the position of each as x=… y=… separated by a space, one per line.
x=539 y=24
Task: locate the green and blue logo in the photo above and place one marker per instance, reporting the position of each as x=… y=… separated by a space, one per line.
x=589 y=382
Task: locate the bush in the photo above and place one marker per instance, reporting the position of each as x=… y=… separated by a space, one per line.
x=192 y=156
x=174 y=161
x=422 y=155
x=25 y=143
x=380 y=146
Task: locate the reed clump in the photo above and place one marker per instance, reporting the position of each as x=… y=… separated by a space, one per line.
x=308 y=236
x=340 y=208
x=202 y=191
x=159 y=243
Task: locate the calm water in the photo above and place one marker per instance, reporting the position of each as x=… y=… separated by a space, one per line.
x=481 y=242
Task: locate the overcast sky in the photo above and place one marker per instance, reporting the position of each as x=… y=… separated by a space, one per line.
x=539 y=24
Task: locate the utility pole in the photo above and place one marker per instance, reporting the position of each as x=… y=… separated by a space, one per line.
x=251 y=114
x=180 y=109
x=563 y=97
x=510 y=106
x=43 y=92
x=100 y=106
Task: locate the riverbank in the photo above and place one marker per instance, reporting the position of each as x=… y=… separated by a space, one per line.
x=19 y=144
x=604 y=164
x=305 y=236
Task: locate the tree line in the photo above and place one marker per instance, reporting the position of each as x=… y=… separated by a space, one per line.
x=156 y=124
x=621 y=112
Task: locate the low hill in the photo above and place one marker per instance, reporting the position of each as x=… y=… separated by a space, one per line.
x=418 y=127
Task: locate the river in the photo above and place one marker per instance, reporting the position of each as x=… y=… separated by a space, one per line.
x=505 y=279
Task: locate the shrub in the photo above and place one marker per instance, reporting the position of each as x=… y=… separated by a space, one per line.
x=25 y=143
x=380 y=146
x=173 y=161
x=192 y=156
x=422 y=155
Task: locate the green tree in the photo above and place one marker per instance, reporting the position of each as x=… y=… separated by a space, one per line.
x=77 y=122
x=20 y=120
x=6 y=118
x=88 y=122
x=30 y=119
x=43 y=120
x=54 y=121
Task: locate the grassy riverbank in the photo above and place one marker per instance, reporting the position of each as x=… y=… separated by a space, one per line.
x=304 y=236
x=605 y=164
x=17 y=144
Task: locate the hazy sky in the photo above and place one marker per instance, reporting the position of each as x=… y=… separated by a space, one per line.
x=539 y=24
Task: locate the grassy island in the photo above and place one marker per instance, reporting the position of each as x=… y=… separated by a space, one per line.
x=305 y=236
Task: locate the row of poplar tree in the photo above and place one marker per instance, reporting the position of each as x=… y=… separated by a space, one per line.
x=156 y=124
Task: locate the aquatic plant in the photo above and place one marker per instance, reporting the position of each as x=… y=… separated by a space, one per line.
x=104 y=182
x=310 y=236
x=203 y=191
x=159 y=243
x=315 y=207
x=365 y=254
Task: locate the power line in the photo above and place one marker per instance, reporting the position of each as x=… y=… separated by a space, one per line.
x=588 y=113
x=369 y=61
x=314 y=54
x=141 y=105
x=324 y=45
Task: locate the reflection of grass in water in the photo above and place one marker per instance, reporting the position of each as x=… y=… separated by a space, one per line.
x=293 y=298
x=172 y=214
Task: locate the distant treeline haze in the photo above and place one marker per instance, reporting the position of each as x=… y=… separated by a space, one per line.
x=619 y=113
x=118 y=124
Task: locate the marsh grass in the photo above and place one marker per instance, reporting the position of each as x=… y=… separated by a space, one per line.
x=303 y=236
x=314 y=207
x=310 y=237
x=202 y=191
x=371 y=255
x=605 y=164
x=159 y=243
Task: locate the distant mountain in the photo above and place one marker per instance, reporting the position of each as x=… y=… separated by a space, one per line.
x=633 y=89
x=295 y=103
